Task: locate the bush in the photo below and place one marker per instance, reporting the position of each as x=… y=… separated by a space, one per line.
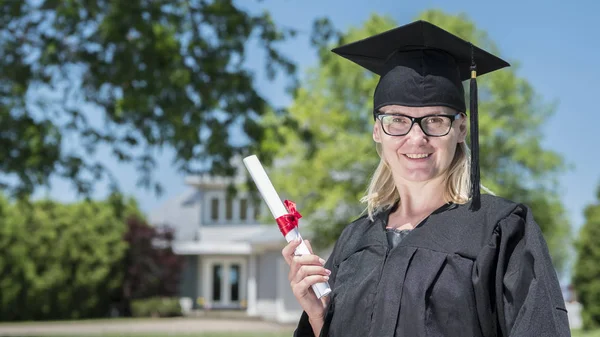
x=82 y=260
x=151 y=268
x=156 y=307
x=59 y=261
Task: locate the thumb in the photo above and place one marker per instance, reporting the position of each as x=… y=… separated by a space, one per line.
x=307 y=243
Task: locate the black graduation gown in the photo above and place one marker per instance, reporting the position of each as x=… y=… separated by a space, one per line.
x=458 y=273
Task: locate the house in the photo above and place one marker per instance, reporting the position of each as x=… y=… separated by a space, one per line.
x=573 y=306
x=232 y=260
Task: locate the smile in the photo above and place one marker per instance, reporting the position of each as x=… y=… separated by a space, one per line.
x=417 y=155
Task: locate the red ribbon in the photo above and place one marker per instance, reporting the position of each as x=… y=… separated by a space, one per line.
x=288 y=222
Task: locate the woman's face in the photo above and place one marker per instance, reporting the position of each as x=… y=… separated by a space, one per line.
x=417 y=157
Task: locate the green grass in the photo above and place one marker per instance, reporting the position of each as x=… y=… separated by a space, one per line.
x=208 y=334
x=86 y=320
x=81 y=321
x=577 y=333
x=284 y=333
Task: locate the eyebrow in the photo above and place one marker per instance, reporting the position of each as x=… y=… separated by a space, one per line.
x=436 y=112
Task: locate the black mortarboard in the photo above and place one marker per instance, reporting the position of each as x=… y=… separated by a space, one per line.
x=421 y=64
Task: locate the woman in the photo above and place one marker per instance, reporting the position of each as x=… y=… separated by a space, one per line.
x=431 y=257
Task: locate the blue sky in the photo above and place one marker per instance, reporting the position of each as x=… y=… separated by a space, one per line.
x=556 y=44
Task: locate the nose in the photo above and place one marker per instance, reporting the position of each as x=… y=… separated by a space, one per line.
x=416 y=134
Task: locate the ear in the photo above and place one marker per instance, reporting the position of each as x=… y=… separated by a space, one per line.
x=377 y=132
x=462 y=128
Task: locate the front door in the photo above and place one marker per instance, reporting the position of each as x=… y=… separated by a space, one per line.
x=225 y=282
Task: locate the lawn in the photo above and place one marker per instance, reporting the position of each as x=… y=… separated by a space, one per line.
x=212 y=334
x=595 y=333
x=159 y=333
x=173 y=327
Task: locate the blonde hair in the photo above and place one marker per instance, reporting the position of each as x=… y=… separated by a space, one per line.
x=382 y=192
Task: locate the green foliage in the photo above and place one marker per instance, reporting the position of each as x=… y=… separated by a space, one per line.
x=84 y=260
x=150 y=266
x=59 y=261
x=328 y=155
x=132 y=76
x=579 y=333
x=156 y=307
x=586 y=278
x=328 y=151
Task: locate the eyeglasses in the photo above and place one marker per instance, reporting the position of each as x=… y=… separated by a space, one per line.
x=432 y=125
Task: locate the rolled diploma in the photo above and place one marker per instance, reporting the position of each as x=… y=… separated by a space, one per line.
x=271 y=198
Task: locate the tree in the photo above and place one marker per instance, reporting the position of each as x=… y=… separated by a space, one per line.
x=150 y=266
x=328 y=155
x=59 y=261
x=157 y=73
x=586 y=278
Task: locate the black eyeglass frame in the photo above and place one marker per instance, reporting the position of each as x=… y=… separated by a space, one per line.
x=414 y=120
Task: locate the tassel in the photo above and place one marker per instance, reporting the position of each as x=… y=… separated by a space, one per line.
x=475 y=192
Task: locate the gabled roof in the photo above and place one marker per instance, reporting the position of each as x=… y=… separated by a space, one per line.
x=180 y=211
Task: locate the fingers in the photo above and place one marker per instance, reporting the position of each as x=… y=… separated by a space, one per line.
x=308 y=271
x=305 y=270
x=288 y=250
x=304 y=260
x=305 y=265
x=307 y=243
x=303 y=288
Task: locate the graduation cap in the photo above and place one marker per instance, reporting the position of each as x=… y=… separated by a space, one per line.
x=421 y=64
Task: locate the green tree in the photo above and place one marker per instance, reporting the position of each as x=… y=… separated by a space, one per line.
x=135 y=76
x=60 y=261
x=151 y=268
x=586 y=278
x=328 y=155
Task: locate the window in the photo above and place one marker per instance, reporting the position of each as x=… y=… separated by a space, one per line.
x=243 y=209
x=234 y=282
x=214 y=209
x=217 y=275
x=229 y=208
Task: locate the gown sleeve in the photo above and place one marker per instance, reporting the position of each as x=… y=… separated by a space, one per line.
x=516 y=287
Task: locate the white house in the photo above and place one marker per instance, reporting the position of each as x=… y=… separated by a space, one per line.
x=232 y=260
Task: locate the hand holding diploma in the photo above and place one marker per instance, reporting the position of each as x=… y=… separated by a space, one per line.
x=306 y=269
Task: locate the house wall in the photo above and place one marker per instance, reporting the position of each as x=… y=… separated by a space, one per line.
x=288 y=309
x=275 y=300
x=266 y=279
x=289 y=301
x=267 y=276
x=188 y=286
